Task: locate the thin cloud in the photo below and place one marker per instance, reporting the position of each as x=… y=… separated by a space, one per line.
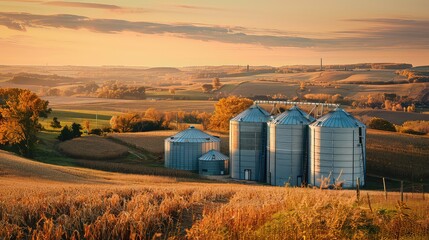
x=395 y=33
x=26 y=1
x=193 y=7
x=83 y=5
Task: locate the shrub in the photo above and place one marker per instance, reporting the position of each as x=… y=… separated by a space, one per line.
x=411 y=131
x=96 y=131
x=68 y=133
x=381 y=124
x=55 y=123
x=65 y=134
x=146 y=125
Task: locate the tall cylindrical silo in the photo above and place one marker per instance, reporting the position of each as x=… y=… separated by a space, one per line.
x=183 y=149
x=337 y=149
x=247 y=139
x=287 y=148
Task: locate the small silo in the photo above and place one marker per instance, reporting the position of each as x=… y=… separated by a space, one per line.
x=183 y=149
x=337 y=149
x=213 y=163
x=247 y=144
x=287 y=148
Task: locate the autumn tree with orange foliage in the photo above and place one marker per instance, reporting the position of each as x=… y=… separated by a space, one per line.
x=225 y=109
x=19 y=118
x=124 y=122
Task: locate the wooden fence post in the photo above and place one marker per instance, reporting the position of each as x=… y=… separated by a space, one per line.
x=384 y=186
x=357 y=189
x=402 y=191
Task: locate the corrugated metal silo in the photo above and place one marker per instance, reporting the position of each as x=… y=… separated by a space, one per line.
x=183 y=149
x=247 y=139
x=337 y=147
x=213 y=163
x=287 y=148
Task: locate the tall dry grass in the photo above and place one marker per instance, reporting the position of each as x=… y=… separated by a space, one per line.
x=204 y=211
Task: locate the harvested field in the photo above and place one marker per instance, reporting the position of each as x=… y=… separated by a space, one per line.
x=264 y=88
x=92 y=147
x=150 y=141
x=120 y=105
x=124 y=206
x=395 y=117
x=154 y=141
x=398 y=156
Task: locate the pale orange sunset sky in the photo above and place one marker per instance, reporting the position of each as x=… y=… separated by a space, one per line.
x=188 y=33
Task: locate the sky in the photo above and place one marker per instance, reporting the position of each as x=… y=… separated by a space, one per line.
x=222 y=32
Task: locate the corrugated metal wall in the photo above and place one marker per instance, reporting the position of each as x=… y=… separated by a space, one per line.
x=216 y=167
x=248 y=150
x=336 y=150
x=286 y=154
x=184 y=155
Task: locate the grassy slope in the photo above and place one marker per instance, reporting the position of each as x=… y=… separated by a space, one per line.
x=69 y=202
x=67 y=117
x=399 y=156
x=394 y=117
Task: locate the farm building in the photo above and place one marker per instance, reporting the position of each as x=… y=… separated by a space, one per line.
x=213 y=163
x=287 y=147
x=183 y=149
x=296 y=148
x=248 y=133
x=337 y=149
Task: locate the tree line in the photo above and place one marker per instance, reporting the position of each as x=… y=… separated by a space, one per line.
x=109 y=89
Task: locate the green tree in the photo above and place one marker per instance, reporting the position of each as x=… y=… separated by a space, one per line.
x=68 y=133
x=19 y=118
x=225 y=109
x=65 y=134
x=55 y=123
x=75 y=129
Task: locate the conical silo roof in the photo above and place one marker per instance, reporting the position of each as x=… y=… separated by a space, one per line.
x=213 y=155
x=253 y=114
x=293 y=116
x=338 y=118
x=192 y=135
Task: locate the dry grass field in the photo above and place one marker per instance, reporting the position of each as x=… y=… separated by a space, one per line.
x=92 y=147
x=100 y=205
x=399 y=156
x=395 y=117
x=154 y=141
x=119 y=105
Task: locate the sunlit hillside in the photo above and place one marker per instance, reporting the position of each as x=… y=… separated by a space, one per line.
x=50 y=202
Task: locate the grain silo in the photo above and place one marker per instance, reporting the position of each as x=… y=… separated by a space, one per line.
x=247 y=144
x=183 y=149
x=287 y=147
x=337 y=149
x=213 y=163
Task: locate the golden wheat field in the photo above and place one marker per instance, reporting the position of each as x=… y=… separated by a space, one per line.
x=101 y=205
